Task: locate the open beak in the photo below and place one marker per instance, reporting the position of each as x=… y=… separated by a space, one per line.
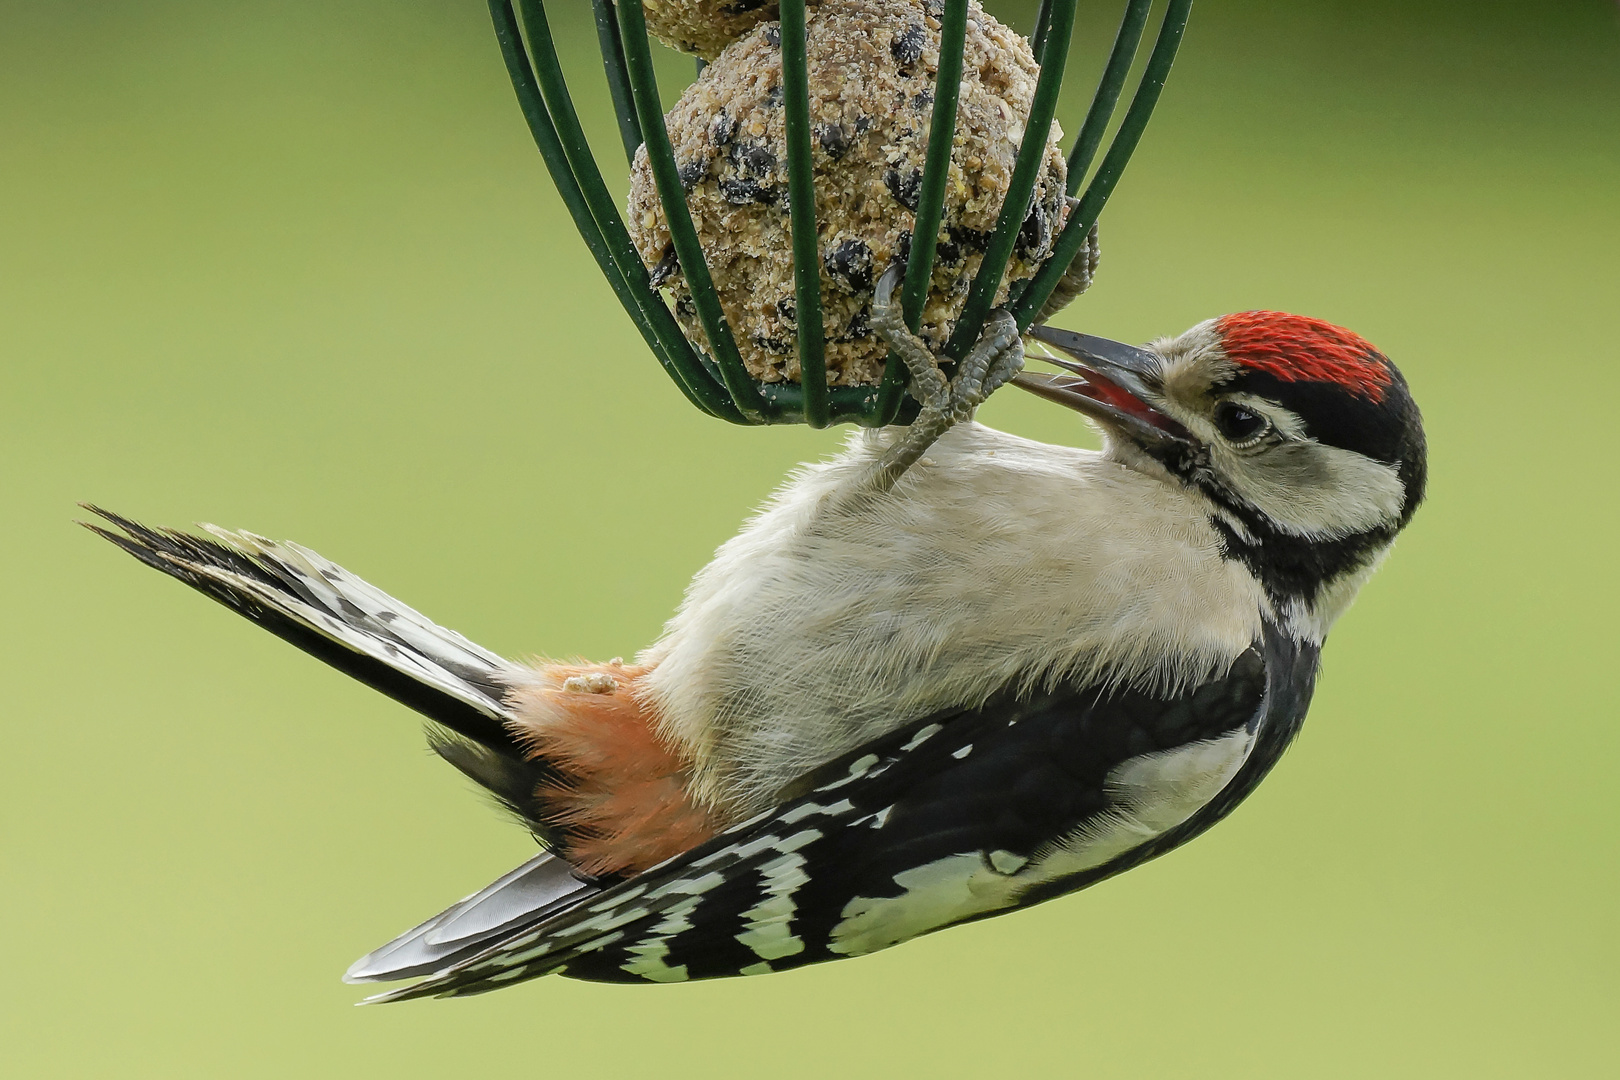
x=1107 y=381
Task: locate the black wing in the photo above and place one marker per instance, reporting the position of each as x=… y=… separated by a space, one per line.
x=952 y=818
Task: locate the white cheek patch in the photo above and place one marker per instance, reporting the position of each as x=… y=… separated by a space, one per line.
x=1316 y=491
x=1152 y=794
x=1307 y=488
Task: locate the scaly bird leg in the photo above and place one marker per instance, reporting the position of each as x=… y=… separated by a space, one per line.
x=997 y=357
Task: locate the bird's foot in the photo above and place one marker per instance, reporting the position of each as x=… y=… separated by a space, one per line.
x=996 y=357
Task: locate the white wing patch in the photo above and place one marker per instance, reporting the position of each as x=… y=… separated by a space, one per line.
x=937 y=893
x=770 y=933
x=651 y=956
x=1152 y=794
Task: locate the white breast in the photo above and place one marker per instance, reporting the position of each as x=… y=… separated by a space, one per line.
x=996 y=561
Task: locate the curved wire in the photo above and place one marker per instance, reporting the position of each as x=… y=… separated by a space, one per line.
x=1026 y=171
x=931 y=196
x=666 y=342
x=624 y=107
x=1108 y=89
x=678 y=216
x=802 y=213
x=1113 y=165
x=733 y=395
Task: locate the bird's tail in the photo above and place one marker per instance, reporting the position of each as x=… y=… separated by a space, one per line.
x=358 y=629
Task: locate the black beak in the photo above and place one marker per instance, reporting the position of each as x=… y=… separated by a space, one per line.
x=1109 y=381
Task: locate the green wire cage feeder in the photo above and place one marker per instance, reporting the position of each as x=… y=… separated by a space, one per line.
x=720 y=384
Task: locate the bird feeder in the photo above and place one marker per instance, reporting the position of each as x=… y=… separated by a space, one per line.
x=716 y=380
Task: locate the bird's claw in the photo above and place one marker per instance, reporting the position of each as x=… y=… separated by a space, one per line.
x=998 y=356
x=995 y=358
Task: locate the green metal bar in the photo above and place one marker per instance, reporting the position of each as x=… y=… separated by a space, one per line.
x=624 y=109
x=937 y=166
x=661 y=157
x=802 y=213
x=844 y=403
x=1113 y=165
x=931 y=199
x=581 y=166
x=1108 y=89
x=1026 y=170
x=1043 y=25
x=545 y=137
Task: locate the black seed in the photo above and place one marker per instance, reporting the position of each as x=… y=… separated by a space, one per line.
x=948 y=254
x=859 y=326
x=787 y=311
x=773 y=98
x=849 y=263
x=908 y=47
x=934 y=8
x=666 y=268
x=742 y=191
x=773 y=36
x=832 y=140
x=906 y=188
x=742 y=7
x=863 y=124
x=923 y=100
x=753 y=159
x=692 y=172
x=902 y=248
x=723 y=128
x=773 y=345
x=972 y=240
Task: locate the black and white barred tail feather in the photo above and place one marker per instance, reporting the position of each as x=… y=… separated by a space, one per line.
x=353 y=626
x=335 y=616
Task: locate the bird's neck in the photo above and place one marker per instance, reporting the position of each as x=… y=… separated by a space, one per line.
x=1309 y=582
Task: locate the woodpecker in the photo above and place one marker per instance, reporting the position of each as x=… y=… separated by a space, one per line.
x=946 y=674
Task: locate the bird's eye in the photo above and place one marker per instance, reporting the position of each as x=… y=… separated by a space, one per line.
x=1239 y=425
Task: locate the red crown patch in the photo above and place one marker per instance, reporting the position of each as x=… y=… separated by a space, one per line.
x=1296 y=348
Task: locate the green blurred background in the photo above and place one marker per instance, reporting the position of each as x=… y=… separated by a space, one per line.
x=296 y=267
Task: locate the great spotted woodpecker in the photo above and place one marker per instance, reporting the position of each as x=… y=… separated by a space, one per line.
x=903 y=697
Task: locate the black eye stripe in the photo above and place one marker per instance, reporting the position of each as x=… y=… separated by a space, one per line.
x=1384 y=431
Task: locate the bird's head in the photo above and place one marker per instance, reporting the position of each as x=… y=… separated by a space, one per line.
x=1303 y=436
